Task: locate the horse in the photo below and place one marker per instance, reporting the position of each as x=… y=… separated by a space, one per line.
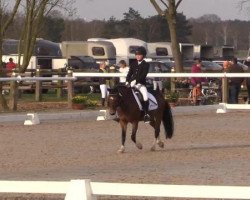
x=121 y=101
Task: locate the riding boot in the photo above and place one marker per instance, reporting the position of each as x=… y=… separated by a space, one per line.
x=103 y=102
x=145 y=109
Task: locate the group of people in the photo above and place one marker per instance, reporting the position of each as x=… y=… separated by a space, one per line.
x=234 y=84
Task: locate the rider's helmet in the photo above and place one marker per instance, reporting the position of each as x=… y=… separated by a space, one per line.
x=141 y=51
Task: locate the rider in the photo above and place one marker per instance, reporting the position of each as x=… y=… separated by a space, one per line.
x=136 y=77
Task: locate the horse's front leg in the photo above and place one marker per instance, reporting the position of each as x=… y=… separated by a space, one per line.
x=133 y=136
x=124 y=130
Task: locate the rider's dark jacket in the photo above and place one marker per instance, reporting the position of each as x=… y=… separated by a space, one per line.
x=138 y=72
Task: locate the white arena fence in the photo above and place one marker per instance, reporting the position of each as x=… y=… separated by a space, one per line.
x=87 y=190
x=222 y=107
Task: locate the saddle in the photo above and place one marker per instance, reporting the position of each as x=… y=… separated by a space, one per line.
x=153 y=105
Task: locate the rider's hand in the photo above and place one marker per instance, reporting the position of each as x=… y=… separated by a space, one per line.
x=127 y=84
x=132 y=84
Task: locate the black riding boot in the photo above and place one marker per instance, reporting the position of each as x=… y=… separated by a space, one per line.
x=103 y=102
x=145 y=109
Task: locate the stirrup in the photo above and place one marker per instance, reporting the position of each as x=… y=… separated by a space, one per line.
x=146 y=118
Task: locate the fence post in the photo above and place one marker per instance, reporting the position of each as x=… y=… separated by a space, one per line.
x=59 y=84
x=172 y=81
x=38 y=93
x=224 y=90
x=70 y=88
x=79 y=190
x=13 y=92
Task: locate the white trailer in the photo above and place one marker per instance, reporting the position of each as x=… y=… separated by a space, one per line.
x=99 y=50
x=159 y=50
x=32 y=64
x=125 y=47
x=204 y=52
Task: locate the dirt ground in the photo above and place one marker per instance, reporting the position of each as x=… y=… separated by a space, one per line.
x=207 y=149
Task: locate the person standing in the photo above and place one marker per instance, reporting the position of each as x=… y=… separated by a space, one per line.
x=103 y=83
x=157 y=82
x=136 y=77
x=10 y=65
x=234 y=83
x=124 y=70
x=196 y=82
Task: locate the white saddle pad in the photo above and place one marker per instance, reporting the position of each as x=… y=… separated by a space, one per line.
x=152 y=101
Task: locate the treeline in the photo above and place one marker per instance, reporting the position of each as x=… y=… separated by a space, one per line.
x=208 y=29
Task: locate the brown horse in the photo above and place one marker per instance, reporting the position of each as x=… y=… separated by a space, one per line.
x=122 y=101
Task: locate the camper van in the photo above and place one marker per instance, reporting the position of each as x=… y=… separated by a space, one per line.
x=99 y=50
x=159 y=50
x=204 y=52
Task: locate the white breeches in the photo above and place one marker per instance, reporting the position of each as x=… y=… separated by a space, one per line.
x=143 y=91
x=104 y=91
x=159 y=83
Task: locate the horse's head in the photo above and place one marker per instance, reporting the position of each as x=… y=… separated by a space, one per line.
x=113 y=100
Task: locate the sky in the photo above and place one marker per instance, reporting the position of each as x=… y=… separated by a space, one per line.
x=104 y=9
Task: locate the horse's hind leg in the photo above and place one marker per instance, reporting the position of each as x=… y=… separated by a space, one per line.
x=124 y=130
x=133 y=135
x=157 y=140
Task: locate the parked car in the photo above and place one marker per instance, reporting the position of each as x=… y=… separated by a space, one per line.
x=164 y=67
x=84 y=64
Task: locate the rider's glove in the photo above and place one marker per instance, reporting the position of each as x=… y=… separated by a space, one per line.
x=132 y=84
x=127 y=84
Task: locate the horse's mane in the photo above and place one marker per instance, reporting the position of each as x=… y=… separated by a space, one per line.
x=127 y=97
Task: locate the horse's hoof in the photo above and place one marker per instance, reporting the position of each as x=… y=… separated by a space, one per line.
x=139 y=145
x=161 y=144
x=121 y=150
x=152 y=148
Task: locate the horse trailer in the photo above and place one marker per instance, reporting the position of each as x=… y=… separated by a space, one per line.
x=43 y=53
x=159 y=50
x=101 y=51
x=204 y=52
x=187 y=51
x=224 y=52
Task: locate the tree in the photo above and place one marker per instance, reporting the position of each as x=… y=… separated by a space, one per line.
x=170 y=14
x=6 y=20
x=35 y=12
x=53 y=27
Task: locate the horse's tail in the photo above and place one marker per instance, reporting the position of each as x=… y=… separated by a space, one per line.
x=168 y=121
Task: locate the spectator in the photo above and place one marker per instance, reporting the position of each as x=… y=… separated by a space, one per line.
x=10 y=65
x=123 y=69
x=157 y=82
x=197 y=82
x=226 y=64
x=112 y=81
x=103 y=83
x=234 y=83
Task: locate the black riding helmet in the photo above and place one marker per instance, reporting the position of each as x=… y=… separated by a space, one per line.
x=141 y=51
